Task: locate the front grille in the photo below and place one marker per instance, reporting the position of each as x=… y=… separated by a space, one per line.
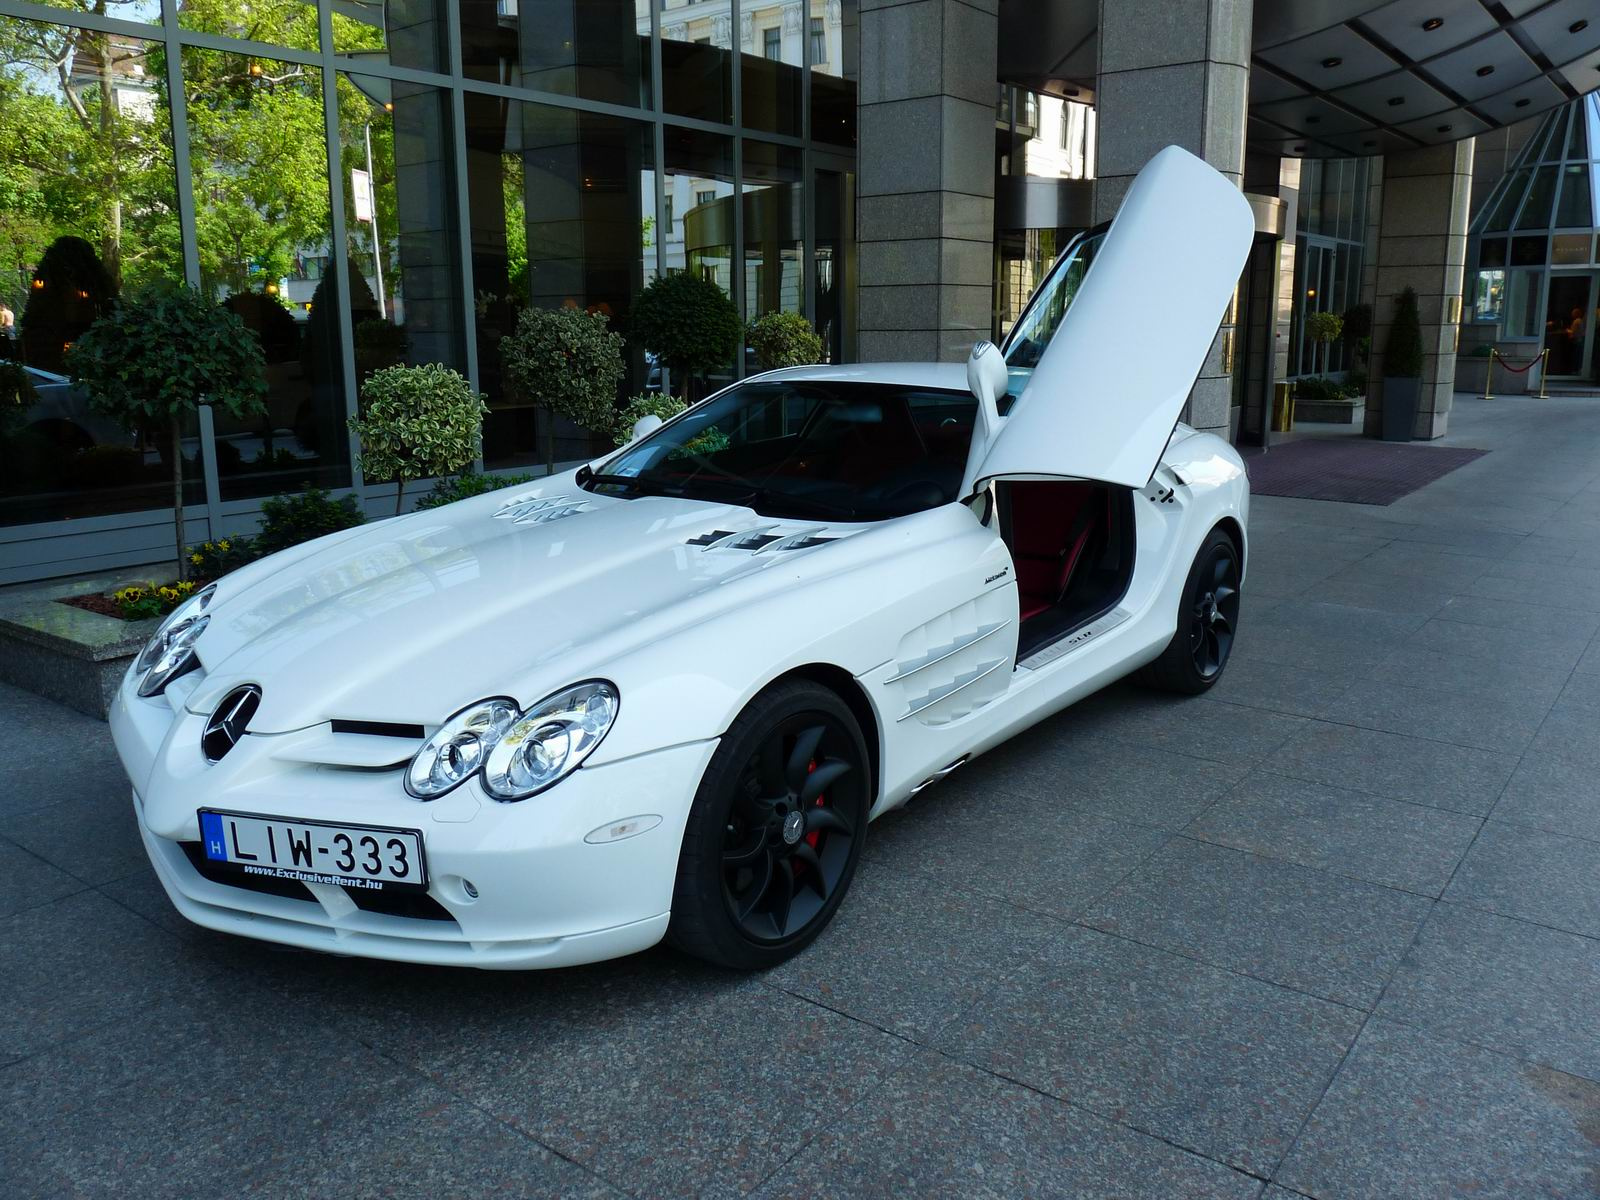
x=419 y=906
x=379 y=729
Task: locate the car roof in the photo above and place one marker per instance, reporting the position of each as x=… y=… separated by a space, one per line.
x=944 y=376
x=48 y=376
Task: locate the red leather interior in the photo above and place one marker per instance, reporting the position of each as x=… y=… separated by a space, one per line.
x=1048 y=537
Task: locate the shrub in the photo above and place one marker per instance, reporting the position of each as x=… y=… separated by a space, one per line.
x=1324 y=327
x=1402 y=359
x=1355 y=381
x=417 y=422
x=16 y=396
x=784 y=339
x=289 y=520
x=212 y=560
x=688 y=322
x=640 y=407
x=567 y=362
x=157 y=356
x=467 y=485
x=70 y=291
x=1358 y=328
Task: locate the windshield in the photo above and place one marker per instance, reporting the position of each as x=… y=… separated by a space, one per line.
x=811 y=449
x=1025 y=345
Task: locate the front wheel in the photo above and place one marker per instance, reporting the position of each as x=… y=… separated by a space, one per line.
x=1208 y=616
x=776 y=830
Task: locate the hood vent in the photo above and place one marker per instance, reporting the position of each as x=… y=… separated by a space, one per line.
x=540 y=509
x=758 y=540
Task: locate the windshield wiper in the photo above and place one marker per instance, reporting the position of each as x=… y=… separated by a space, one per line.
x=634 y=483
x=766 y=499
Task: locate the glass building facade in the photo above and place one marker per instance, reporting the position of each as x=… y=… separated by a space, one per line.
x=367 y=184
x=1537 y=245
x=1332 y=228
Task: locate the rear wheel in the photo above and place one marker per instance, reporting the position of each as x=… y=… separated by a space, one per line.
x=776 y=830
x=1208 y=616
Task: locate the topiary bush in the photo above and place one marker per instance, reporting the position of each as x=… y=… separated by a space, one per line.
x=289 y=520
x=1402 y=358
x=467 y=485
x=689 y=323
x=70 y=291
x=417 y=422
x=640 y=407
x=784 y=339
x=567 y=362
x=1324 y=327
x=160 y=353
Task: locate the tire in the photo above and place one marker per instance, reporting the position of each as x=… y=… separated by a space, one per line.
x=1208 y=618
x=776 y=830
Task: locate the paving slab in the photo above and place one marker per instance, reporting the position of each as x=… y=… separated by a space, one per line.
x=1420 y=1116
x=1534 y=875
x=1209 y=1060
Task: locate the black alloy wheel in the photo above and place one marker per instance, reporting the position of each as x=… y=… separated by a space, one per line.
x=1208 y=619
x=1215 y=611
x=776 y=830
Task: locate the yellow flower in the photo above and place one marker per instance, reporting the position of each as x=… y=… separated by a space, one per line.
x=223 y=545
x=197 y=559
x=185 y=587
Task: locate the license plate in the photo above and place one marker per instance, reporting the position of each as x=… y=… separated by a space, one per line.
x=370 y=857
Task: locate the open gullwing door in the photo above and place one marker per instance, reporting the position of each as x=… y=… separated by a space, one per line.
x=1108 y=387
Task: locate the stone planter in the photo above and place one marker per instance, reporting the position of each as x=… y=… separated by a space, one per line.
x=64 y=653
x=1349 y=411
x=1400 y=395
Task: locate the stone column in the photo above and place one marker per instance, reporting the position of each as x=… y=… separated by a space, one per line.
x=1174 y=74
x=1422 y=244
x=925 y=182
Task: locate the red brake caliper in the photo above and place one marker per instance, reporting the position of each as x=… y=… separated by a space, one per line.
x=813 y=838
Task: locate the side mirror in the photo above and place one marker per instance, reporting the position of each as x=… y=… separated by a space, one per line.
x=646 y=425
x=986 y=379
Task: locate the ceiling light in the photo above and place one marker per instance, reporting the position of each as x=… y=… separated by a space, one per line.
x=1396 y=101
x=1331 y=63
x=1299 y=148
x=1444 y=128
x=1577 y=27
x=1368 y=145
x=1313 y=120
x=1431 y=24
x=1485 y=71
x=1524 y=102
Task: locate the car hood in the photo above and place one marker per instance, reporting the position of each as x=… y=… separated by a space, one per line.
x=410 y=619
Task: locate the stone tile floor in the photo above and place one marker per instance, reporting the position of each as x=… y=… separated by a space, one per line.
x=1331 y=931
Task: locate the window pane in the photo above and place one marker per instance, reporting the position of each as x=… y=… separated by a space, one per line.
x=562 y=206
x=289 y=23
x=405 y=33
x=400 y=224
x=259 y=160
x=773 y=231
x=699 y=179
x=1536 y=212
x=1522 y=317
x=696 y=61
x=596 y=49
x=1492 y=252
x=834 y=73
x=834 y=262
x=89 y=210
x=1506 y=206
x=773 y=42
x=1572 y=209
x=1488 y=295
x=1570 y=249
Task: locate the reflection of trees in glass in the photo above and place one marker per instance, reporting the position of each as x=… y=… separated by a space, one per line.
x=85 y=151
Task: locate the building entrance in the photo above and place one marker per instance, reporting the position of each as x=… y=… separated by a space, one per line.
x=1569 y=324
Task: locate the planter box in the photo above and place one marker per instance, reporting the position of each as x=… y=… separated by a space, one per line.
x=64 y=653
x=1330 y=412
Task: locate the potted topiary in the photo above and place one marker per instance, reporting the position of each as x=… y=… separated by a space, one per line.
x=416 y=423
x=1323 y=328
x=638 y=408
x=567 y=362
x=784 y=339
x=687 y=322
x=1402 y=370
x=156 y=356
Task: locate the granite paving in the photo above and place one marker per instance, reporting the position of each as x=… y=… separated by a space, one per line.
x=1330 y=931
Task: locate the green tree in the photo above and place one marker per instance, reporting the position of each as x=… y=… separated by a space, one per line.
x=689 y=323
x=784 y=339
x=567 y=362
x=417 y=423
x=156 y=356
x=1403 y=357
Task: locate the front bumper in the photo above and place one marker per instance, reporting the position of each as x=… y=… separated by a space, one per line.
x=545 y=897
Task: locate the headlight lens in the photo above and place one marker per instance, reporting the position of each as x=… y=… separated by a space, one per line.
x=457 y=749
x=170 y=651
x=550 y=740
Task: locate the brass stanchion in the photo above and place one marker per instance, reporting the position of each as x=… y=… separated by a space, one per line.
x=1488 y=376
x=1544 y=372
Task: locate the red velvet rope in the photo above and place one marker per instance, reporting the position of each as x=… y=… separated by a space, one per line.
x=1504 y=362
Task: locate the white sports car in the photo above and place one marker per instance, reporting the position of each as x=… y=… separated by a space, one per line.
x=664 y=694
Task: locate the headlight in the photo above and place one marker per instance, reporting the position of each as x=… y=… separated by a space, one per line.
x=457 y=749
x=550 y=740
x=170 y=651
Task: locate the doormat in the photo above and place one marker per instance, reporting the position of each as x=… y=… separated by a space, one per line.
x=1351 y=470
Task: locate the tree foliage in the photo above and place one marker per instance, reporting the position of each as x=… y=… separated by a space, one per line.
x=784 y=339
x=1403 y=357
x=568 y=362
x=416 y=423
x=688 y=322
x=638 y=408
x=157 y=355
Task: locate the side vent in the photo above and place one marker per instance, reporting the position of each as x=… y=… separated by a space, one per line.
x=538 y=510
x=379 y=729
x=707 y=539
